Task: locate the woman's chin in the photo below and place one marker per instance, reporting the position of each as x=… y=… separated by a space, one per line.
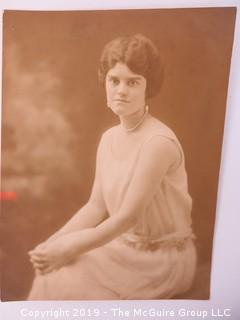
x=119 y=111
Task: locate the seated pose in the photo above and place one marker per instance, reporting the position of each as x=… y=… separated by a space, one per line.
x=133 y=238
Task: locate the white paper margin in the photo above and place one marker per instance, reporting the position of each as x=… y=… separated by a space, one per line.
x=225 y=279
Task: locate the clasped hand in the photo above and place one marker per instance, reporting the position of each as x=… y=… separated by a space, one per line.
x=53 y=254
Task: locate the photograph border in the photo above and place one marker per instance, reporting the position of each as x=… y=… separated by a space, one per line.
x=225 y=277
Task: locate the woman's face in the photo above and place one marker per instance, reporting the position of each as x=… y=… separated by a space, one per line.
x=125 y=90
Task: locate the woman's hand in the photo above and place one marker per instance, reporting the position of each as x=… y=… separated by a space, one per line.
x=51 y=255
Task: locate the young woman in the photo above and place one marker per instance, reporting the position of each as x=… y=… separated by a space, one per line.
x=133 y=238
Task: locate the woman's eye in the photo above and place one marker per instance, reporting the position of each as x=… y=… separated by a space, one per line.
x=114 y=81
x=132 y=83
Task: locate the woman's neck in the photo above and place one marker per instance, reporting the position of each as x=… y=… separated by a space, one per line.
x=133 y=121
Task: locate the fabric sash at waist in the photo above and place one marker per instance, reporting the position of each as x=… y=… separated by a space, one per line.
x=175 y=239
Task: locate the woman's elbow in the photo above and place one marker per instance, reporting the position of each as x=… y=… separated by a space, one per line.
x=126 y=224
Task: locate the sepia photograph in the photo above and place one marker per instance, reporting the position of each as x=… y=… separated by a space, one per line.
x=112 y=133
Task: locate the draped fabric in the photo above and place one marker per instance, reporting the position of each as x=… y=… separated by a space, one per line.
x=156 y=259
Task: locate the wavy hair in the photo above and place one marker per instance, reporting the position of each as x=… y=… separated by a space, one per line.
x=139 y=54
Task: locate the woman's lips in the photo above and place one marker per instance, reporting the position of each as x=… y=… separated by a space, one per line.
x=121 y=100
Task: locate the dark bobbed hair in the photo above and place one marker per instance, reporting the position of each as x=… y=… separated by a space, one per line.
x=139 y=54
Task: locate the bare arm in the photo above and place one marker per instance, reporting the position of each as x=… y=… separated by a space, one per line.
x=156 y=157
x=89 y=216
x=92 y=213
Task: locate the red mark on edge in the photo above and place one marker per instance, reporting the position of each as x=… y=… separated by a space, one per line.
x=8 y=196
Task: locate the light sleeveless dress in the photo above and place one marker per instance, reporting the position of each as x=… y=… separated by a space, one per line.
x=154 y=260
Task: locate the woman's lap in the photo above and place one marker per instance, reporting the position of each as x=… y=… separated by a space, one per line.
x=116 y=271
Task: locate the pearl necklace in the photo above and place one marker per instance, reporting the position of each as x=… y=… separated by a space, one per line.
x=139 y=122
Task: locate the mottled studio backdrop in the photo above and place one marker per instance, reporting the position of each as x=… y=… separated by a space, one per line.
x=54 y=112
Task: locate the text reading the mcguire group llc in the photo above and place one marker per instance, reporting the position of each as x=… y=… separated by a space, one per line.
x=118 y=313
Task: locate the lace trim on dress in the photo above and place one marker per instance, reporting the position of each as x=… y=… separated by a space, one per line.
x=176 y=239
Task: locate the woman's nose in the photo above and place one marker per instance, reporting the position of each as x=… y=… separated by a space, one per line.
x=122 y=88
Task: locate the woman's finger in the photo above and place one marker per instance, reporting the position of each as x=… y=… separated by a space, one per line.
x=40 y=246
x=47 y=270
x=38 y=254
x=42 y=262
x=40 y=266
x=43 y=268
x=34 y=249
x=39 y=259
x=39 y=250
